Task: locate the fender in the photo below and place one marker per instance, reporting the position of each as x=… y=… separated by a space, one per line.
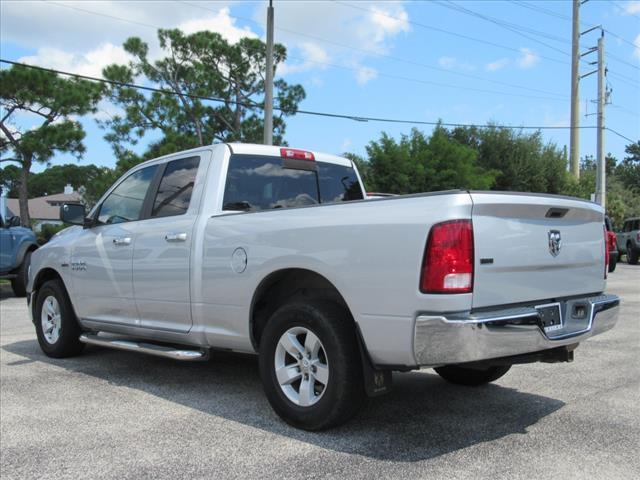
x=26 y=246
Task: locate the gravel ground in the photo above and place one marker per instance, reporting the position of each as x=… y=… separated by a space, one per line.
x=111 y=414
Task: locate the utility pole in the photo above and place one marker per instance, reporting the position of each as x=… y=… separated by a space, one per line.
x=574 y=140
x=268 y=82
x=601 y=185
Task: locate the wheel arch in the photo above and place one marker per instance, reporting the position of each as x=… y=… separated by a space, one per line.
x=44 y=275
x=281 y=286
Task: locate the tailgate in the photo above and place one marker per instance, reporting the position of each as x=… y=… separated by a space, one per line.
x=535 y=247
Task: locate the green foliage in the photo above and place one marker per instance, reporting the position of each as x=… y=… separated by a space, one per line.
x=524 y=163
x=48 y=230
x=418 y=163
x=54 y=100
x=629 y=169
x=201 y=64
x=623 y=201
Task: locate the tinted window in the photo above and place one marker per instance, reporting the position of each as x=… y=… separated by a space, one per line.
x=124 y=204
x=338 y=183
x=262 y=183
x=176 y=186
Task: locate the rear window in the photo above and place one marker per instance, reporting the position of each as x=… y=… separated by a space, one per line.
x=257 y=182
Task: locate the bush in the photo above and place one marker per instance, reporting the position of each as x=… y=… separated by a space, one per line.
x=47 y=231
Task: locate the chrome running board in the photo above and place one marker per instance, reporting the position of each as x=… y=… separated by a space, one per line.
x=142 y=347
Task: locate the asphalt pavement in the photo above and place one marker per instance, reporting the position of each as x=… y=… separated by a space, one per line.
x=113 y=414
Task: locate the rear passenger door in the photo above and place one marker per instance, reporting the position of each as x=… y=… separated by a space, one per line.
x=162 y=253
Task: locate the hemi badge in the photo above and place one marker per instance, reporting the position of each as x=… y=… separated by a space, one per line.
x=486 y=261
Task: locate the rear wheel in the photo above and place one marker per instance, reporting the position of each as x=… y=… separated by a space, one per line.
x=470 y=376
x=56 y=325
x=19 y=283
x=632 y=255
x=613 y=261
x=310 y=365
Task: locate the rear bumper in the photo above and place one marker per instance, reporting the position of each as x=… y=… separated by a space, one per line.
x=459 y=338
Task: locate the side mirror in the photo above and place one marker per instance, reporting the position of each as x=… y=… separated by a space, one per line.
x=73 y=213
x=14 y=221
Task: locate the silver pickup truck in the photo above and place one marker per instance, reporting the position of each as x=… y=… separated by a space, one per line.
x=277 y=251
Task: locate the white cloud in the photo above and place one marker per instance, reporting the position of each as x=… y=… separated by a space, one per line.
x=90 y=63
x=312 y=56
x=452 y=63
x=447 y=62
x=368 y=29
x=221 y=23
x=636 y=51
x=389 y=21
x=497 y=64
x=365 y=74
x=85 y=42
x=631 y=8
x=346 y=144
x=528 y=58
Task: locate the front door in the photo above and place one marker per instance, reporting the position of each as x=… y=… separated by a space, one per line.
x=162 y=253
x=101 y=262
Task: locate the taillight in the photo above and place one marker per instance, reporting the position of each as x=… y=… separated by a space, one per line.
x=447 y=266
x=606 y=251
x=296 y=154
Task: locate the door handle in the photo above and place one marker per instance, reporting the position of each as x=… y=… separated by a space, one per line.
x=122 y=241
x=176 y=237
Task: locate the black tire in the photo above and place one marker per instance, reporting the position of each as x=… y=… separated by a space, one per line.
x=67 y=343
x=19 y=283
x=632 y=255
x=613 y=261
x=344 y=392
x=471 y=377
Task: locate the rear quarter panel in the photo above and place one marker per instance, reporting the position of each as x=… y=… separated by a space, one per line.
x=371 y=251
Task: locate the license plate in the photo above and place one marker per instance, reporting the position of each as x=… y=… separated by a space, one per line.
x=550 y=316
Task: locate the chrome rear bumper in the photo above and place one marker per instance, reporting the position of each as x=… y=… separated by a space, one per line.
x=459 y=338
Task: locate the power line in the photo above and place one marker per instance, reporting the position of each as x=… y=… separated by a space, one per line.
x=512 y=27
x=564 y=17
x=620 y=135
x=442 y=30
x=358 y=118
x=625 y=10
x=402 y=60
x=370 y=52
x=517 y=29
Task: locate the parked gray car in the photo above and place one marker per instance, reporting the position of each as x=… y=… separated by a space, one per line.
x=629 y=240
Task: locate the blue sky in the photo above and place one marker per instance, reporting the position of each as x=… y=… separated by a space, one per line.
x=404 y=60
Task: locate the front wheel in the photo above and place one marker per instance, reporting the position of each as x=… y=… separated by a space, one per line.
x=471 y=377
x=56 y=325
x=310 y=365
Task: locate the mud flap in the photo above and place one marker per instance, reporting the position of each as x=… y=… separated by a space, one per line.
x=376 y=382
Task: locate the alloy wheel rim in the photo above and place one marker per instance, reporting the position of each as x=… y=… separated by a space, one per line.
x=51 y=319
x=301 y=366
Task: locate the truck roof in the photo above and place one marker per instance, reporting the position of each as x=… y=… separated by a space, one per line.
x=274 y=151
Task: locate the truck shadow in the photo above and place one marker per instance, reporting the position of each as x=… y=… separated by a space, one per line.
x=424 y=417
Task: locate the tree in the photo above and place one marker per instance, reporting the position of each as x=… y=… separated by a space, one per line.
x=629 y=169
x=524 y=162
x=51 y=99
x=202 y=64
x=92 y=181
x=419 y=163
